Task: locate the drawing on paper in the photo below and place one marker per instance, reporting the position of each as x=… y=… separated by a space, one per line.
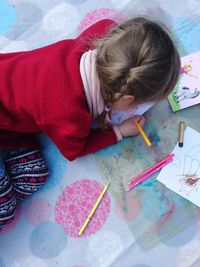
x=185 y=179
x=190 y=178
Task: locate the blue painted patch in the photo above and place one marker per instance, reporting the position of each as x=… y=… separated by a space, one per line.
x=56 y=162
x=155 y=138
x=47 y=240
x=163 y=202
x=118 y=149
x=2 y=264
x=188 y=33
x=7 y=16
x=155 y=200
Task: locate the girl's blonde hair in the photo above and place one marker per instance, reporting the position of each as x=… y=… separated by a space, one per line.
x=137 y=58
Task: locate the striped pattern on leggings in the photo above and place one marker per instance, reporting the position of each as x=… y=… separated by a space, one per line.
x=26 y=171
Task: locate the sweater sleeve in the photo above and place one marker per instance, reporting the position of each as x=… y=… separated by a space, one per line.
x=76 y=146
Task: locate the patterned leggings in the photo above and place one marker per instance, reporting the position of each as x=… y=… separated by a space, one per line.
x=23 y=173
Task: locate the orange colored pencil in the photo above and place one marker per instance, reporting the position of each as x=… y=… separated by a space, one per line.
x=141 y=131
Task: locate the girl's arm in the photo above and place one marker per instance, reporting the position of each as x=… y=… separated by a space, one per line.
x=78 y=145
x=79 y=140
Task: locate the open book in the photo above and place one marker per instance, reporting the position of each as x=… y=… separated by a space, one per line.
x=187 y=90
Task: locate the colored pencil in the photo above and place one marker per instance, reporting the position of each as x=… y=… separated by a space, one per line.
x=141 y=131
x=149 y=174
x=151 y=168
x=181 y=133
x=94 y=208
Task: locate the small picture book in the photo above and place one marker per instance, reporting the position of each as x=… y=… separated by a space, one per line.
x=187 y=90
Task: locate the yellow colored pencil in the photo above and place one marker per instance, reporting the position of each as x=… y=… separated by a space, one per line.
x=146 y=139
x=94 y=208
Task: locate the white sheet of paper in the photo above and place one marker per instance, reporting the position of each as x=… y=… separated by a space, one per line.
x=182 y=175
x=118 y=117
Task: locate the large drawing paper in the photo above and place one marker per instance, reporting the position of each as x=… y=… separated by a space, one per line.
x=183 y=174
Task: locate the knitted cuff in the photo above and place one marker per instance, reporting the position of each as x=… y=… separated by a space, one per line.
x=117 y=132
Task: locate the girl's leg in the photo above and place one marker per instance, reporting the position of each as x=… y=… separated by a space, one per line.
x=28 y=171
x=7 y=197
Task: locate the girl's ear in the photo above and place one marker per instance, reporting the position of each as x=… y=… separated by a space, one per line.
x=129 y=99
x=124 y=102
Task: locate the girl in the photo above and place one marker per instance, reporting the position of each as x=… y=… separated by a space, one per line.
x=61 y=88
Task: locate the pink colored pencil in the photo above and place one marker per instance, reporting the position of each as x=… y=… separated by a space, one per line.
x=151 y=168
x=150 y=174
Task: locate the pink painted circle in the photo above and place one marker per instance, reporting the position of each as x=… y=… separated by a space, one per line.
x=75 y=203
x=13 y=223
x=99 y=14
x=37 y=211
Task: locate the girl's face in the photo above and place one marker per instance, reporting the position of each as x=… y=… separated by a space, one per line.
x=124 y=103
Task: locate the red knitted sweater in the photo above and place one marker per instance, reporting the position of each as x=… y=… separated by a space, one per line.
x=42 y=90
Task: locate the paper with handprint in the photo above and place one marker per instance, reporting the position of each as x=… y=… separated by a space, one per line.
x=183 y=174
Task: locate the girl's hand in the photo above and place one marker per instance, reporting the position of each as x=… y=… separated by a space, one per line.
x=128 y=128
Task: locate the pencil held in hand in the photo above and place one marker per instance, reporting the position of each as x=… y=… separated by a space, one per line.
x=146 y=139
